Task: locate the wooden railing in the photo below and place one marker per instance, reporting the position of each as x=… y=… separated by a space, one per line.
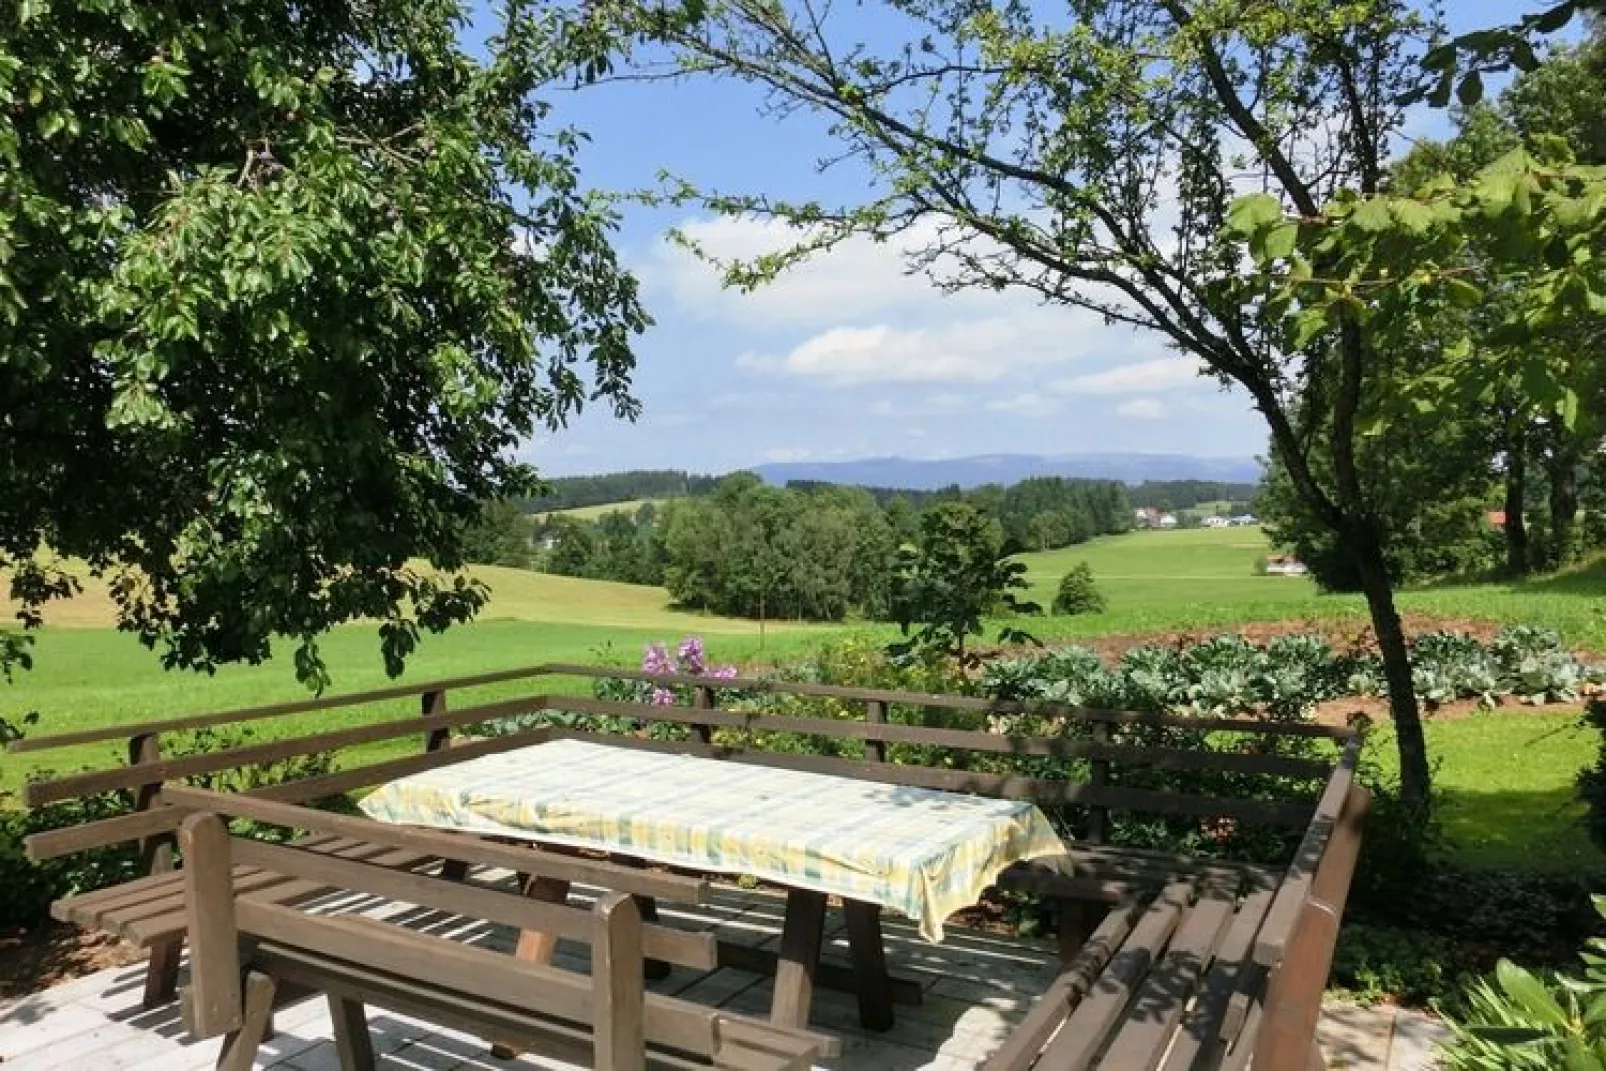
x=147 y=771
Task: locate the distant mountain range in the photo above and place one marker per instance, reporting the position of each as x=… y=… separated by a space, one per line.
x=1012 y=468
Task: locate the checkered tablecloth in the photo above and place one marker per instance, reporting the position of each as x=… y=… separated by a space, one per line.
x=917 y=851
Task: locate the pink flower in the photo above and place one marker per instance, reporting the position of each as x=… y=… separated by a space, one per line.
x=724 y=673
x=663 y=697
x=690 y=654
x=655 y=659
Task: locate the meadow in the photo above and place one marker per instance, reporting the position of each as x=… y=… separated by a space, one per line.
x=1506 y=776
x=591 y=513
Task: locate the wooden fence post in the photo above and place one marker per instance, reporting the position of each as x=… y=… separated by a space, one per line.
x=434 y=703
x=876 y=714
x=156 y=857
x=1098 y=815
x=702 y=698
x=1287 y=1036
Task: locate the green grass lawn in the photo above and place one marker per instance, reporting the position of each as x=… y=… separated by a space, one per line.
x=1506 y=781
x=1203 y=578
x=86 y=678
x=1506 y=777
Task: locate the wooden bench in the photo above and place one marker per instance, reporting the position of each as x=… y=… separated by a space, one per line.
x=1271 y=1011
x=244 y=952
x=1167 y=960
x=148 y=911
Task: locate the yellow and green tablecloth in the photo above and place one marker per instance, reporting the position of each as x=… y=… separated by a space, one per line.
x=917 y=851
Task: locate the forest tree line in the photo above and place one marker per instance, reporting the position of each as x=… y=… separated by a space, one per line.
x=815 y=551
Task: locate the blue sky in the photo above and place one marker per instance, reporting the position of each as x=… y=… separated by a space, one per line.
x=848 y=357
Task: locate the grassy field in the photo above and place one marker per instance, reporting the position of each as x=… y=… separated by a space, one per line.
x=1203 y=578
x=1506 y=777
x=1507 y=786
x=591 y=513
x=86 y=674
x=85 y=678
x=516 y=595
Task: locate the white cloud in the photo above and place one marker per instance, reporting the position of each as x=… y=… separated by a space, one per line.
x=1160 y=374
x=974 y=351
x=858 y=278
x=1142 y=409
x=1028 y=404
x=941 y=404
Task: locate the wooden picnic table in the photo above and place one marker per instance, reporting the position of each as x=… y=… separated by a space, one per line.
x=921 y=852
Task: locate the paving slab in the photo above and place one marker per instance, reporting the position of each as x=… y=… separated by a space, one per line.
x=976 y=987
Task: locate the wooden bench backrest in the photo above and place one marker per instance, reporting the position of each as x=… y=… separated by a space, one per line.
x=612 y=1000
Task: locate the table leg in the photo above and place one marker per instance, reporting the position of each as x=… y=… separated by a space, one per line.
x=869 y=964
x=1077 y=921
x=536 y=946
x=800 y=955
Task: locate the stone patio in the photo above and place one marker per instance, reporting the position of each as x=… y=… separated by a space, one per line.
x=974 y=987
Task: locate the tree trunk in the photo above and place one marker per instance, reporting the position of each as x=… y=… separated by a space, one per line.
x=1415 y=774
x=1516 y=495
x=1563 y=466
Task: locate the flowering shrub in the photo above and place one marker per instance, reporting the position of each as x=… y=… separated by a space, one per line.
x=689 y=659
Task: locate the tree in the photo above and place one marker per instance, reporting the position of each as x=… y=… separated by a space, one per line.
x=955 y=575
x=1093 y=161
x=1077 y=592
x=572 y=547
x=1540 y=446
x=500 y=536
x=282 y=286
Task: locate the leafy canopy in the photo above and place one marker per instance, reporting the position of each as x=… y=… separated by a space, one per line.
x=282 y=287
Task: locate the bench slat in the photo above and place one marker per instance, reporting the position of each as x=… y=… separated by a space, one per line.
x=1024 y=1043
x=474 y=972
x=1201 y=1027
x=1141 y=1040
x=475 y=901
x=287 y=890
x=1080 y=1037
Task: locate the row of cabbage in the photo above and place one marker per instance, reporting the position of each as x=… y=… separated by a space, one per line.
x=1288 y=676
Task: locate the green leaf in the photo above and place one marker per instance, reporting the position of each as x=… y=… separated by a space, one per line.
x=1554 y=19
x=1414 y=216
x=1309 y=325
x=1567 y=408
x=1252 y=212
x=1508 y=1035
x=1470 y=91
x=1372 y=215
x=1462 y=294
x=1280 y=239
x=1530 y=993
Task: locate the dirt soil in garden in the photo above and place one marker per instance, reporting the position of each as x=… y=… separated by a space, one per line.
x=31 y=960
x=1343 y=635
